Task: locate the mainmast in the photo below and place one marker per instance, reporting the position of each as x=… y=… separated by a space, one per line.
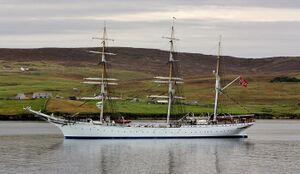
x=171 y=90
x=104 y=80
x=170 y=80
x=218 y=83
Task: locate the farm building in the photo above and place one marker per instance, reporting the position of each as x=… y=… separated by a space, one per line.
x=20 y=96
x=42 y=95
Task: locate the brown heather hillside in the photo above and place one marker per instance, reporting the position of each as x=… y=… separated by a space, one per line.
x=153 y=60
x=60 y=71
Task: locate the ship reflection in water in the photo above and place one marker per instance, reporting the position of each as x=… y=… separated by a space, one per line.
x=158 y=156
x=31 y=147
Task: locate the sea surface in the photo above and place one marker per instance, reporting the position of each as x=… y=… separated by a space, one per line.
x=273 y=147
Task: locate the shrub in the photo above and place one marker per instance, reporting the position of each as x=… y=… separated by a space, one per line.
x=285 y=79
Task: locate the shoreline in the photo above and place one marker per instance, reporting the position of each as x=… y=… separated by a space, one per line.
x=31 y=117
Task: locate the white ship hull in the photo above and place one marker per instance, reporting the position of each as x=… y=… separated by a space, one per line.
x=82 y=130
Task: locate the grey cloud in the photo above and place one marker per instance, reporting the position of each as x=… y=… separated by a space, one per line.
x=60 y=23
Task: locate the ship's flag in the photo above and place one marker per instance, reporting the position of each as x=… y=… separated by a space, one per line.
x=243 y=82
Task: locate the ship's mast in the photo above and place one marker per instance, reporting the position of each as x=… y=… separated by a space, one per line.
x=218 y=83
x=171 y=90
x=103 y=75
x=170 y=80
x=103 y=81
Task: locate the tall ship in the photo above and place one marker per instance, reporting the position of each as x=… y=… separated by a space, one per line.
x=189 y=126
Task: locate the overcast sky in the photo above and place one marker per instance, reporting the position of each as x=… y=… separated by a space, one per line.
x=249 y=28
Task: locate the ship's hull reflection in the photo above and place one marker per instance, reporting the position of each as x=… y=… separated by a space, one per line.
x=156 y=156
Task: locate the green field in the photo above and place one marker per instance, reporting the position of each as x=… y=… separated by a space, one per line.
x=15 y=107
x=260 y=97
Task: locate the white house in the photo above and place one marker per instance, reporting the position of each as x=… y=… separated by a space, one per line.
x=20 y=96
x=42 y=95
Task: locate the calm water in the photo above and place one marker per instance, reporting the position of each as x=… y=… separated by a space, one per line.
x=273 y=146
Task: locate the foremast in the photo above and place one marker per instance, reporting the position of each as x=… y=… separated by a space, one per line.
x=104 y=81
x=171 y=90
x=170 y=80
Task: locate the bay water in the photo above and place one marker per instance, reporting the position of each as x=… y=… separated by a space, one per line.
x=273 y=146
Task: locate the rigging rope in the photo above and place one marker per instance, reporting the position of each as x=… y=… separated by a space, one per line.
x=236 y=102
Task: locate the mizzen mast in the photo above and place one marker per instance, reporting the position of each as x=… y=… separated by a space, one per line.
x=103 y=81
x=218 y=88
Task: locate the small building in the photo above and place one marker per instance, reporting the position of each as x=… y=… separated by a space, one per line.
x=58 y=96
x=42 y=95
x=24 y=68
x=162 y=101
x=20 y=96
x=194 y=102
x=135 y=100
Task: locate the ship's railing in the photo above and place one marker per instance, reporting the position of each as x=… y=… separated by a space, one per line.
x=191 y=119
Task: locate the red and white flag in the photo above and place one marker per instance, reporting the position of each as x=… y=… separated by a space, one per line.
x=243 y=82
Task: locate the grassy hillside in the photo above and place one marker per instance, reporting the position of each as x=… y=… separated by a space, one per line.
x=51 y=71
x=153 y=61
